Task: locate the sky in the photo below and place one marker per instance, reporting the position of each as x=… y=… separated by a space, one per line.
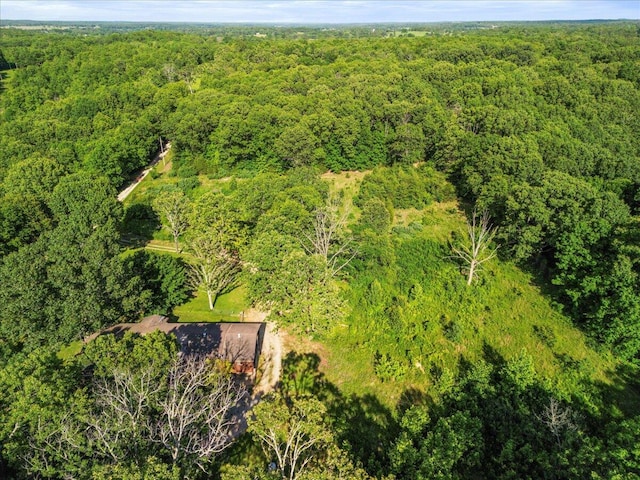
x=316 y=11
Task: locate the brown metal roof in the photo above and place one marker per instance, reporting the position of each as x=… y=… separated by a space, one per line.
x=238 y=343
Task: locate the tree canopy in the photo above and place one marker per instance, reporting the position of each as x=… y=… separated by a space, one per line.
x=329 y=173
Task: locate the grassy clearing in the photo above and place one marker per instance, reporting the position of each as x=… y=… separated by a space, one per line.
x=158 y=246
x=161 y=177
x=228 y=307
x=509 y=316
x=344 y=180
x=497 y=319
x=71 y=350
x=148 y=229
x=165 y=245
x=445 y=323
x=147 y=188
x=346 y=185
x=438 y=220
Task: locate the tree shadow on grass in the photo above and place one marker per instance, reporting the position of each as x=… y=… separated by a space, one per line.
x=412 y=397
x=508 y=406
x=492 y=356
x=362 y=423
x=139 y=224
x=623 y=393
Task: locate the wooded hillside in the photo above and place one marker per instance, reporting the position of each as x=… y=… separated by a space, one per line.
x=342 y=182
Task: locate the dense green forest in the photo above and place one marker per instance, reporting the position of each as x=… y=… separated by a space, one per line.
x=344 y=180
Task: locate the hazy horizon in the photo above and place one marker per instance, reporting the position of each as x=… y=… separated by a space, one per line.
x=318 y=11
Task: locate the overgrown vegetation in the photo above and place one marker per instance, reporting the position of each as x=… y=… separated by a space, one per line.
x=420 y=366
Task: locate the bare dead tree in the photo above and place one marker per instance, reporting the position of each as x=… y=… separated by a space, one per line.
x=197 y=418
x=186 y=411
x=328 y=240
x=477 y=249
x=123 y=400
x=213 y=267
x=296 y=435
x=558 y=419
x=175 y=207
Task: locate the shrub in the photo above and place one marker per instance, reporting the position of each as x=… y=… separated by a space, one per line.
x=186 y=171
x=545 y=335
x=453 y=331
x=375 y=215
x=405 y=187
x=188 y=184
x=387 y=368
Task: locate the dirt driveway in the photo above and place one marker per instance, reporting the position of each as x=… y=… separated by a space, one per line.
x=125 y=193
x=272 y=362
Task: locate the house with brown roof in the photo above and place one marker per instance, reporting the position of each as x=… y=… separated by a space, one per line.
x=239 y=343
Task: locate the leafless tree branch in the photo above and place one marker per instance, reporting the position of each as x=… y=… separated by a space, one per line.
x=197 y=418
x=123 y=400
x=477 y=249
x=558 y=419
x=327 y=238
x=188 y=412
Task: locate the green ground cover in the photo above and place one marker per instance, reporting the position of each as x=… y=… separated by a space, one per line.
x=433 y=322
x=161 y=177
x=438 y=323
x=508 y=317
x=228 y=307
x=71 y=350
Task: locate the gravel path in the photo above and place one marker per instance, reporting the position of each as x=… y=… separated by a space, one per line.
x=272 y=355
x=125 y=193
x=271 y=364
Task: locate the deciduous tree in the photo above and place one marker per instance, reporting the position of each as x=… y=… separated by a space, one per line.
x=296 y=436
x=428 y=449
x=174 y=207
x=329 y=238
x=214 y=267
x=40 y=429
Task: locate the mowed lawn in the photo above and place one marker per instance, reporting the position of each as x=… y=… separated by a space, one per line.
x=228 y=307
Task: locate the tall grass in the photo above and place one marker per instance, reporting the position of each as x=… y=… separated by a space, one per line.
x=419 y=317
